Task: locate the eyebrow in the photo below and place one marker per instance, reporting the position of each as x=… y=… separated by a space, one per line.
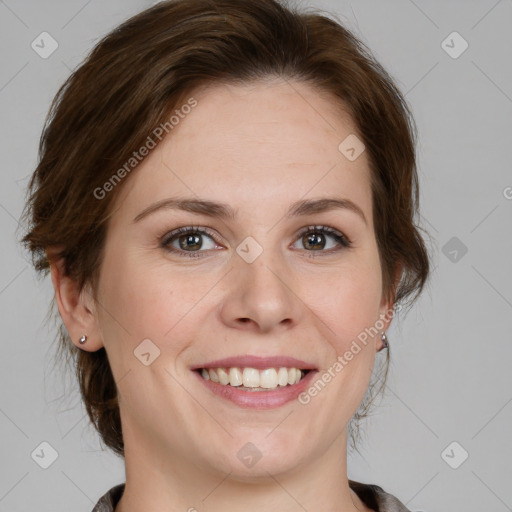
x=226 y=212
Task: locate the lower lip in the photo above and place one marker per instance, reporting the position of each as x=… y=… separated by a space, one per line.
x=259 y=399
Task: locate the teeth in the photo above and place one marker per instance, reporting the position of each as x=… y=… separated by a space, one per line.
x=235 y=377
x=251 y=378
x=268 y=379
x=223 y=376
x=282 y=376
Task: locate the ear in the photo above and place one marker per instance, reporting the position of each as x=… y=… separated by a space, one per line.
x=77 y=308
x=387 y=303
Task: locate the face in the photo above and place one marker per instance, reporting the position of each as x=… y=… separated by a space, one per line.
x=270 y=286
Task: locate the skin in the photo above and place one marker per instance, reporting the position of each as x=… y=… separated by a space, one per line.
x=259 y=148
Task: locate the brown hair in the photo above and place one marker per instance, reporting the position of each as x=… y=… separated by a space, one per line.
x=139 y=73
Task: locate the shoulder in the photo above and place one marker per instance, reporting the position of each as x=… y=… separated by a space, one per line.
x=110 y=499
x=376 y=498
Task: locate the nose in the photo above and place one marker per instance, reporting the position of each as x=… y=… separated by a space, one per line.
x=261 y=295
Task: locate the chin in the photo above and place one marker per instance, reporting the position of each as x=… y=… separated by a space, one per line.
x=247 y=458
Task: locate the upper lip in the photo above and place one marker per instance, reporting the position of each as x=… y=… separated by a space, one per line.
x=259 y=363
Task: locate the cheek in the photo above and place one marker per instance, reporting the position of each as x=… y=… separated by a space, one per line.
x=143 y=299
x=350 y=303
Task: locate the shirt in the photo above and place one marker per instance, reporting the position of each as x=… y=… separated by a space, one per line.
x=372 y=496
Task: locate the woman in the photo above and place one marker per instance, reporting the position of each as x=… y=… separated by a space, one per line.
x=225 y=200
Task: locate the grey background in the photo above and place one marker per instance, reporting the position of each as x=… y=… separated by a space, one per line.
x=450 y=374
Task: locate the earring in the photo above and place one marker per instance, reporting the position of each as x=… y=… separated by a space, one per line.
x=385 y=343
x=83 y=339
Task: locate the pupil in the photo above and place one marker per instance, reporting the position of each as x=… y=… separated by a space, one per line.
x=315 y=239
x=194 y=239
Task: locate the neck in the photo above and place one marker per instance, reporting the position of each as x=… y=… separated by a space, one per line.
x=159 y=480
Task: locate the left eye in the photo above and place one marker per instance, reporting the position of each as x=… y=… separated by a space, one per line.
x=314 y=236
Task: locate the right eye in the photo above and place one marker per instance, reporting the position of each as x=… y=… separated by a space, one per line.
x=190 y=240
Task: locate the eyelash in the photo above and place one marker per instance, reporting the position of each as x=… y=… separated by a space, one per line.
x=342 y=240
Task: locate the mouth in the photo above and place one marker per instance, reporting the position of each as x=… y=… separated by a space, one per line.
x=256 y=382
x=253 y=379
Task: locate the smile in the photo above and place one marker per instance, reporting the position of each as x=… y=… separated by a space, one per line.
x=252 y=379
x=255 y=396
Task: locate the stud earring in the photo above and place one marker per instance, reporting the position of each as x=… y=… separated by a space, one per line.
x=83 y=339
x=385 y=342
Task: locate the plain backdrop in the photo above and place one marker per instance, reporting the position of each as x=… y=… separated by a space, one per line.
x=440 y=438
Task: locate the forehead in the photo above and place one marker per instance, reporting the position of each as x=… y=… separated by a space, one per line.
x=243 y=143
